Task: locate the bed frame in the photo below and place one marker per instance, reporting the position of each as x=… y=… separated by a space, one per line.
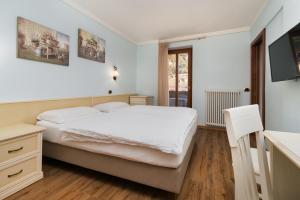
x=169 y=179
x=27 y=111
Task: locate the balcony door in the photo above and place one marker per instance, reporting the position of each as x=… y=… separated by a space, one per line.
x=258 y=59
x=180 y=77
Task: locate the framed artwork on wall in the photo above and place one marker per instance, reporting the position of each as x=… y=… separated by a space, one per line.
x=90 y=46
x=39 y=43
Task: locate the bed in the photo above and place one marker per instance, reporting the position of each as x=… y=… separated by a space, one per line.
x=143 y=155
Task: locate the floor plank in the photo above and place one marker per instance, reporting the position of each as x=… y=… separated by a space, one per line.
x=209 y=176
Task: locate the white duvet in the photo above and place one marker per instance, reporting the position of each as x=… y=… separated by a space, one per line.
x=161 y=128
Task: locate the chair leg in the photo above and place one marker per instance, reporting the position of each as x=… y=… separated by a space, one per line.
x=258 y=182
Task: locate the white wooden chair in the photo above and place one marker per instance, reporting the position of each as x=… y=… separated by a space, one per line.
x=240 y=122
x=254 y=156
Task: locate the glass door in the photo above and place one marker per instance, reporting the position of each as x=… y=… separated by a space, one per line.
x=180 y=77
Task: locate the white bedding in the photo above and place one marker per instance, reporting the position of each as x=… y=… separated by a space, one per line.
x=53 y=134
x=161 y=128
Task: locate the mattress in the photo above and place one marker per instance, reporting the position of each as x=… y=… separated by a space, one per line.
x=161 y=128
x=136 y=153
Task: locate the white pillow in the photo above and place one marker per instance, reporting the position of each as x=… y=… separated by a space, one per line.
x=111 y=106
x=61 y=116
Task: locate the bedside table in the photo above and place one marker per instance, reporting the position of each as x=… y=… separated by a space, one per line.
x=20 y=157
x=141 y=100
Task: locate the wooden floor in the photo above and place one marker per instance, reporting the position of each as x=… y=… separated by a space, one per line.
x=209 y=176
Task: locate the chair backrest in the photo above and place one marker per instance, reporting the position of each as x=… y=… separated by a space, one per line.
x=240 y=122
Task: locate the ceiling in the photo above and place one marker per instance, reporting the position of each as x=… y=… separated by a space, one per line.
x=147 y=20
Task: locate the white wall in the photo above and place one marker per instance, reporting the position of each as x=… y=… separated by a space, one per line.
x=27 y=80
x=220 y=62
x=147 y=70
x=282 y=98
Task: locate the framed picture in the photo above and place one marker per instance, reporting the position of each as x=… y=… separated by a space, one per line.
x=39 y=43
x=91 y=46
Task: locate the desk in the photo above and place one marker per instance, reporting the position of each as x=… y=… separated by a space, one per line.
x=285 y=164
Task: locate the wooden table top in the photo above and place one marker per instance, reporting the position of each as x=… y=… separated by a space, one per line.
x=17 y=130
x=288 y=143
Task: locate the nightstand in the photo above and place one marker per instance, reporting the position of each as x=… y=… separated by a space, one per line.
x=20 y=157
x=141 y=100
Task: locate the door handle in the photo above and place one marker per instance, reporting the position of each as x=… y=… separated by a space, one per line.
x=247 y=90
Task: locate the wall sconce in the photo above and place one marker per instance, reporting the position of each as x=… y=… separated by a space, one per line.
x=115 y=73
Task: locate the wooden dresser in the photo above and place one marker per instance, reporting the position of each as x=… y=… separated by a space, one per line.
x=20 y=157
x=141 y=100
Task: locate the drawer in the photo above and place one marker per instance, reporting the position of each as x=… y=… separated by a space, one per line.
x=18 y=171
x=18 y=146
x=141 y=101
x=138 y=101
x=149 y=101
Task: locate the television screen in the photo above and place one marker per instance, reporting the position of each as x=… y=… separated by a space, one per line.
x=295 y=41
x=285 y=56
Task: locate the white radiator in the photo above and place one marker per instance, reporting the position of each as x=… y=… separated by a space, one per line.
x=216 y=102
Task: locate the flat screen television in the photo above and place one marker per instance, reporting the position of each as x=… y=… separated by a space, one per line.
x=285 y=56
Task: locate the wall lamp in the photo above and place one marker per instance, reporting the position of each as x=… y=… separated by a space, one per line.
x=115 y=73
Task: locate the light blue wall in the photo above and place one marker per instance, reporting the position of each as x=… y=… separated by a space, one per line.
x=147 y=70
x=219 y=62
x=27 y=80
x=282 y=98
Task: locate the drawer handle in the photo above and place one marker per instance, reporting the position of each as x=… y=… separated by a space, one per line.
x=15 y=150
x=15 y=174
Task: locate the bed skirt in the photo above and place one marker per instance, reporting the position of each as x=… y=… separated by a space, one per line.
x=169 y=179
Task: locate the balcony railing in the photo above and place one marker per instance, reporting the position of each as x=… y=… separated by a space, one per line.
x=182 y=98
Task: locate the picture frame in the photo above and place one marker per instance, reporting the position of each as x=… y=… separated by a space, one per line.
x=90 y=46
x=40 y=43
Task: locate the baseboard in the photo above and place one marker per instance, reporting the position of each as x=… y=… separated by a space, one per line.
x=212 y=128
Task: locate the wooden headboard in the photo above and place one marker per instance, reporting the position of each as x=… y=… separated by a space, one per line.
x=26 y=112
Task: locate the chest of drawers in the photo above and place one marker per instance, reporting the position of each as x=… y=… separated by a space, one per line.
x=20 y=157
x=141 y=100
